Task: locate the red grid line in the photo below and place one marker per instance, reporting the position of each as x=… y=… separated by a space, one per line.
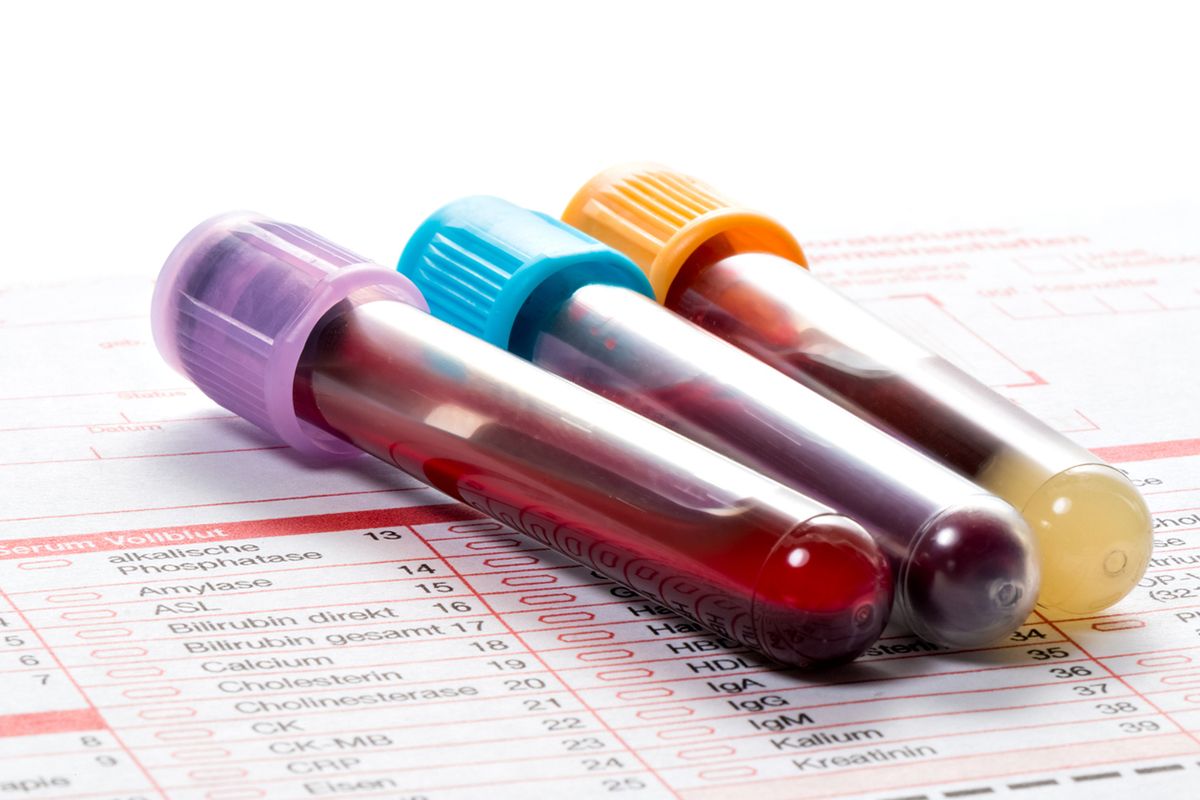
x=186 y=389
x=127 y=419
x=212 y=505
x=145 y=455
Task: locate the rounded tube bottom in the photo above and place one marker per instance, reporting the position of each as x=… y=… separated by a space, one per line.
x=1096 y=536
x=973 y=575
x=823 y=595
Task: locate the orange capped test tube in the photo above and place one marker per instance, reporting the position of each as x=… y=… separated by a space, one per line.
x=741 y=275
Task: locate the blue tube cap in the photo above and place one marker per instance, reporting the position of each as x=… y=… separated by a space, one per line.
x=477 y=261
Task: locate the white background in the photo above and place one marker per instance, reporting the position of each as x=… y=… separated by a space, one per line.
x=122 y=125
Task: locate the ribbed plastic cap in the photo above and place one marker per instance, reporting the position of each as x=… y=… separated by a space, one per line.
x=658 y=217
x=235 y=303
x=478 y=259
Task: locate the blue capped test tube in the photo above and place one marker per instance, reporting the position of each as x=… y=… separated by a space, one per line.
x=966 y=564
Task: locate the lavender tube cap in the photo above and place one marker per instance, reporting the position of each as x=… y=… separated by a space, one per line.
x=236 y=301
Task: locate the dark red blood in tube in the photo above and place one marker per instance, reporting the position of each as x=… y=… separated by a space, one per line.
x=770 y=571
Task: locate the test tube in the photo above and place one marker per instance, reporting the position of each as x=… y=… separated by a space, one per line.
x=740 y=275
x=336 y=356
x=965 y=563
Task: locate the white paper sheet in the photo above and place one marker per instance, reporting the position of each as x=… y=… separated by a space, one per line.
x=189 y=610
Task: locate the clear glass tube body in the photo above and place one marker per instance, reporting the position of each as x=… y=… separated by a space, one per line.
x=739 y=553
x=1094 y=527
x=966 y=564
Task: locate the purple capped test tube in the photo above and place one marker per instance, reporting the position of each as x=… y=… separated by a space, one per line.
x=336 y=356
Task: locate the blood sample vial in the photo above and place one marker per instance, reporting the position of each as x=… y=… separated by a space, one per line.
x=966 y=563
x=338 y=356
x=740 y=275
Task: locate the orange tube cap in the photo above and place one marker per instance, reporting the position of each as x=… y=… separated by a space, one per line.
x=658 y=217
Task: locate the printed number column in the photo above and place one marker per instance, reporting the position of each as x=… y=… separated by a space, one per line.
x=1162 y=720
x=53 y=741
x=541 y=597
